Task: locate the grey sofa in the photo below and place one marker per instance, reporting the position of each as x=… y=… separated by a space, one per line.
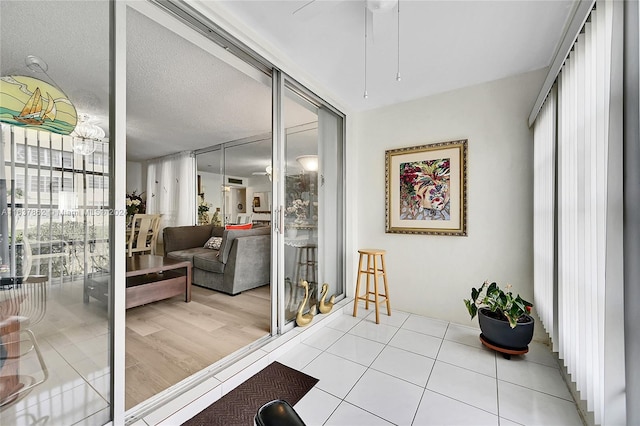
x=242 y=263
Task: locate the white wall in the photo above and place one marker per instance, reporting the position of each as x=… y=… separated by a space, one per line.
x=212 y=182
x=430 y=275
x=259 y=184
x=211 y=185
x=136 y=179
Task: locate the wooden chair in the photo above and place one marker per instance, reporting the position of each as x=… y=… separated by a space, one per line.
x=244 y=218
x=143 y=234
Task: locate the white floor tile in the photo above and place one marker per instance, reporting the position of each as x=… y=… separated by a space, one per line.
x=419 y=343
x=316 y=406
x=56 y=410
x=87 y=368
x=323 y=338
x=464 y=385
x=102 y=385
x=72 y=353
x=239 y=367
x=102 y=417
x=349 y=415
x=465 y=335
x=533 y=376
x=356 y=349
x=195 y=400
x=529 y=407
x=404 y=365
x=479 y=360
x=299 y=357
x=381 y=333
x=336 y=375
x=386 y=396
x=541 y=354
x=439 y=410
x=461 y=385
x=280 y=341
x=396 y=319
x=140 y=423
x=344 y=323
x=432 y=327
x=61 y=378
x=362 y=312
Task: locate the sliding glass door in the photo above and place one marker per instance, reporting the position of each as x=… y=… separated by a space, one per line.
x=211 y=105
x=57 y=199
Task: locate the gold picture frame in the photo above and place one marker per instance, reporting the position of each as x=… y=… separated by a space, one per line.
x=426 y=189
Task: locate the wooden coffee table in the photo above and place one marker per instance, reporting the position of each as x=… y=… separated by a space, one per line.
x=151 y=278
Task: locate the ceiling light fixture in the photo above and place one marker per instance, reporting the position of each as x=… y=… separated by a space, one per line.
x=268 y=171
x=85 y=134
x=37 y=64
x=308 y=162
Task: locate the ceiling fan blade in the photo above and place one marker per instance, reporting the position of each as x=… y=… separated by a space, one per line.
x=302 y=7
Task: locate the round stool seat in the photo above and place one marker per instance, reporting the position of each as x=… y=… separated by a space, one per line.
x=372 y=251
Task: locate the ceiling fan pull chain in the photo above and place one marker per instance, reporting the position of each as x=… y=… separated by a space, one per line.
x=366 y=95
x=398 y=74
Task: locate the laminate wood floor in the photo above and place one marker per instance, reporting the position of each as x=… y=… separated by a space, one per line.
x=170 y=340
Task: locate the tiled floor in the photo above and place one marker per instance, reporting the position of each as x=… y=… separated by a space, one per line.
x=74 y=341
x=406 y=370
x=411 y=370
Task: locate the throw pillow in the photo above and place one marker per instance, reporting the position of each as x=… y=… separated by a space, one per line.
x=245 y=226
x=213 y=243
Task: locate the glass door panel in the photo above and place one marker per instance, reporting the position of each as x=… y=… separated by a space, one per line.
x=313 y=204
x=210 y=187
x=210 y=104
x=331 y=202
x=55 y=362
x=247 y=185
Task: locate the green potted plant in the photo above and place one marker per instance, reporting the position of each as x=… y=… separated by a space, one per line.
x=504 y=319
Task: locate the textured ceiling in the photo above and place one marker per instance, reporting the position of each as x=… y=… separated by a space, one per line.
x=444 y=45
x=73 y=41
x=252 y=158
x=182 y=97
x=179 y=95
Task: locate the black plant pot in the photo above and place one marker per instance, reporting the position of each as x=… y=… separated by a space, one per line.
x=499 y=333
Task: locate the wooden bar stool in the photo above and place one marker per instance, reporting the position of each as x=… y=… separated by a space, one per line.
x=305 y=268
x=372 y=270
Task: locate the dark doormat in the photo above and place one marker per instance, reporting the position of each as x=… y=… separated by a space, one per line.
x=238 y=407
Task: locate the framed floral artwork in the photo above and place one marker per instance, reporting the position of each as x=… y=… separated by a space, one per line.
x=426 y=189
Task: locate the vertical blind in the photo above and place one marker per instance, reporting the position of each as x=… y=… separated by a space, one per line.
x=544 y=158
x=574 y=306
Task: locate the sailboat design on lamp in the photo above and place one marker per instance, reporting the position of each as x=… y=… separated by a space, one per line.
x=30 y=102
x=32 y=113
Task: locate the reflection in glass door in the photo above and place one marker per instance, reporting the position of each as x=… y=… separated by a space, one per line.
x=312 y=205
x=55 y=362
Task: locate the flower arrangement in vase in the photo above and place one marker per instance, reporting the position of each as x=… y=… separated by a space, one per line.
x=203 y=208
x=135 y=205
x=298 y=208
